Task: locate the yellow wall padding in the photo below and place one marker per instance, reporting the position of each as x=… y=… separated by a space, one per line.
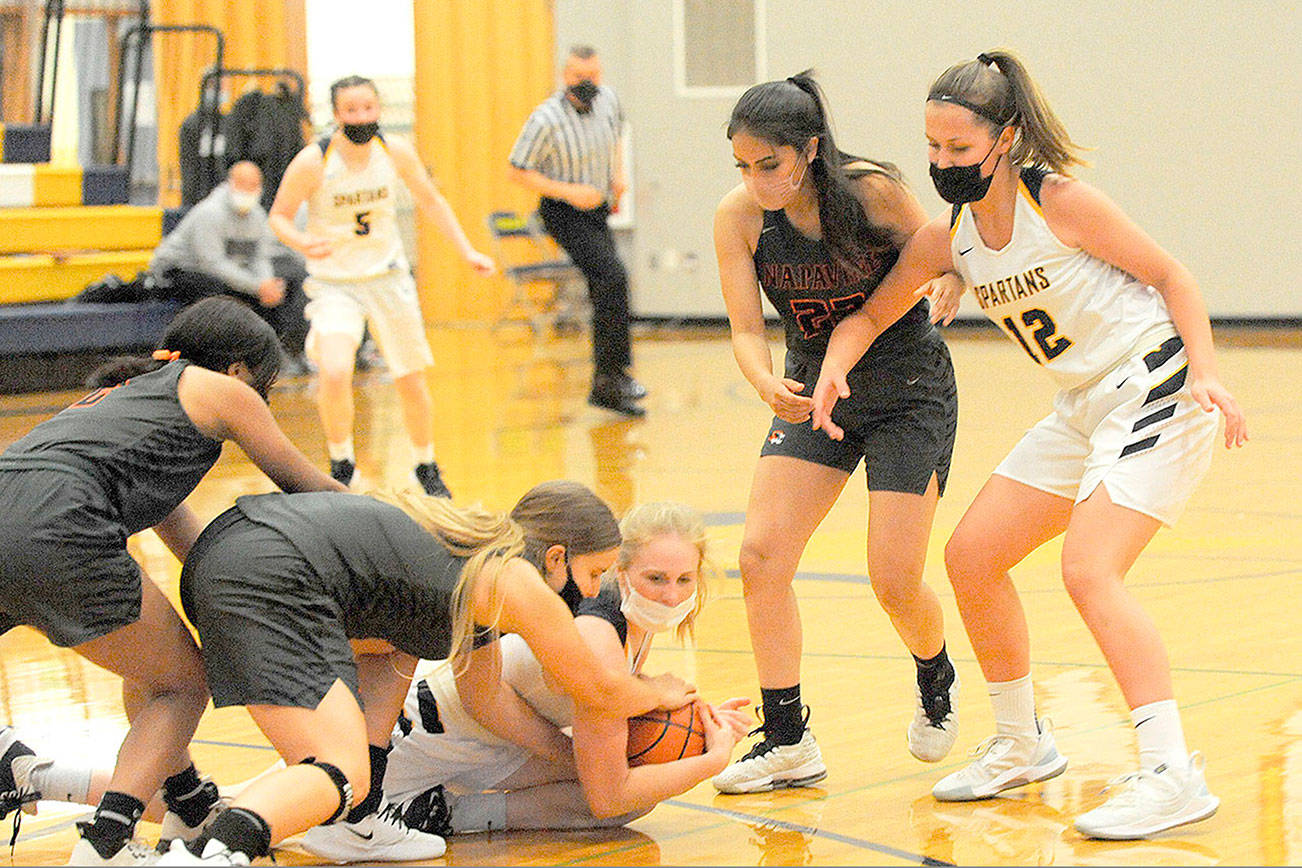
x=481 y=68
x=57 y=185
x=97 y=227
x=258 y=35
x=41 y=277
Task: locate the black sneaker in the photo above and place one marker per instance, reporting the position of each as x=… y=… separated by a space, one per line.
x=608 y=394
x=428 y=476
x=429 y=812
x=344 y=470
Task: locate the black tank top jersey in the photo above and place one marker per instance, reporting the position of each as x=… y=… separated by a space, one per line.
x=391 y=578
x=606 y=606
x=812 y=293
x=134 y=440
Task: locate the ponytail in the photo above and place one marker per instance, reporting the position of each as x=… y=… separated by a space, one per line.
x=790 y=112
x=997 y=88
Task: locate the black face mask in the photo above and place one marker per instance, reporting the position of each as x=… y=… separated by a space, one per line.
x=960 y=184
x=571 y=594
x=583 y=93
x=360 y=134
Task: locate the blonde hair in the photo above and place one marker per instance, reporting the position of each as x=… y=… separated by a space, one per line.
x=999 y=90
x=485 y=539
x=650 y=521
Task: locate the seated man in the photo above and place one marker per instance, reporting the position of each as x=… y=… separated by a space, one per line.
x=223 y=246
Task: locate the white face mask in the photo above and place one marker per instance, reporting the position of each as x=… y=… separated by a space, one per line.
x=243 y=202
x=651 y=615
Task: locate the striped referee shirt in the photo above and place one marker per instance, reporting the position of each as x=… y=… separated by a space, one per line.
x=564 y=145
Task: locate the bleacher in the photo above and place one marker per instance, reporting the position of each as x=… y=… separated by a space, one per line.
x=61 y=228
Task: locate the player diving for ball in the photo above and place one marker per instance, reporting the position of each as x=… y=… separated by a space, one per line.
x=535 y=778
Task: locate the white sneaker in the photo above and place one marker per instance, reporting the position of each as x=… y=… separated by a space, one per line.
x=770 y=767
x=1150 y=801
x=381 y=837
x=214 y=853
x=132 y=853
x=1003 y=762
x=935 y=724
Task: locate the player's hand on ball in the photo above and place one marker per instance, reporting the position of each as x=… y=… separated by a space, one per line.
x=674 y=691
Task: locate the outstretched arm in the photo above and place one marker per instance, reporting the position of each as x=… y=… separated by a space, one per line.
x=926 y=256
x=610 y=787
x=537 y=613
x=432 y=203
x=224 y=408
x=494 y=705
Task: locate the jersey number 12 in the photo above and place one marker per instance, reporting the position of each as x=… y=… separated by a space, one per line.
x=1044 y=335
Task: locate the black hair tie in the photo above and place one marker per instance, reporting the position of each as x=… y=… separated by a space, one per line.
x=986 y=59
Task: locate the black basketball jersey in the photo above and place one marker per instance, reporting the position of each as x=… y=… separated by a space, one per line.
x=606 y=606
x=812 y=292
x=134 y=440
x=391 y=578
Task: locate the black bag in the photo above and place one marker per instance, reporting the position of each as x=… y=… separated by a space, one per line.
x=111 y=289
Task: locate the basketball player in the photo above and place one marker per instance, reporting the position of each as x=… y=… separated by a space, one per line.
x=1122 y=329
x=657 y=587
x=358 y=273
x=73 y=490
x=279 y=585
x=569 y=532
x=817 y=229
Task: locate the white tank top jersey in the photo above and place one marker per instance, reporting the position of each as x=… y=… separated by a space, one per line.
x=358 y=211
x=521 y=670
x=1072 y=313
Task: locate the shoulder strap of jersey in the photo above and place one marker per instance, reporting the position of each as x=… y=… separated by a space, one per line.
x=1033 y=177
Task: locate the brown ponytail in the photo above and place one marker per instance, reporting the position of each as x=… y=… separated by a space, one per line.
x=997 y=88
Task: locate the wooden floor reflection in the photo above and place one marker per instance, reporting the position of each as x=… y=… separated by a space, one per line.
x=510 y=412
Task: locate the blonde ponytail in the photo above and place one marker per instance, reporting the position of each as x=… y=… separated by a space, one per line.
x=486 y=539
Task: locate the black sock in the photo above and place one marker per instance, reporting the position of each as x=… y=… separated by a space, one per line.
x=371 y=804
x=189 y=797
x=114 y=823
x=241 y=830
x=935 y=673
x=782 y=714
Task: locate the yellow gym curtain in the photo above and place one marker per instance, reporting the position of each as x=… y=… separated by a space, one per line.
x=257 y=34
x=481 y=67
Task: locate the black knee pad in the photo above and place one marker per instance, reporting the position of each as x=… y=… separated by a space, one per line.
x=341 y=784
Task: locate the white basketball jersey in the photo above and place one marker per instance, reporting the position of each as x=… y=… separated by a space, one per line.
x=520 y=669
x=1072 y=313
x=358 y=211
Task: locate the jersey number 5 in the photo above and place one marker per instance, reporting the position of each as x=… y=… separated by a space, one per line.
x=1044 y=331
x=363 y=226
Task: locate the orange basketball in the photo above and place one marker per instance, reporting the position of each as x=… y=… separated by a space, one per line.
x=665 y=736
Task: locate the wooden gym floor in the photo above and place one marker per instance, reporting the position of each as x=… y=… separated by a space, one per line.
x=510 y=412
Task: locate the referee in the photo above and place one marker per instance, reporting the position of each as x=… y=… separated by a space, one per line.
x=569 y=153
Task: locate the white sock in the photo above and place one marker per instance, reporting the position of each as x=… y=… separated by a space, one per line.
x=1014 y=705
x=341 y=451
x=1161 y=737
x=478 y=812
x=423 y=454
x=61 y=782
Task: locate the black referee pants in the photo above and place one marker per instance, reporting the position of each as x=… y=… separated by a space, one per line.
x=587 y=239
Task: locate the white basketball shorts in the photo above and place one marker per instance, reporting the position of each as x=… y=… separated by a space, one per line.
x=1137 y=430
x=389 y=303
